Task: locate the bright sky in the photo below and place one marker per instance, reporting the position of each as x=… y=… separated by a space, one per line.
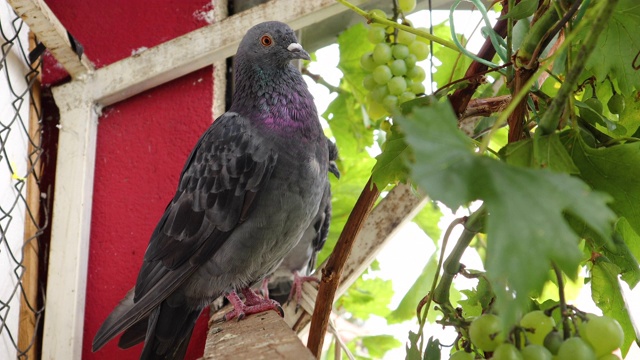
x=396 y=261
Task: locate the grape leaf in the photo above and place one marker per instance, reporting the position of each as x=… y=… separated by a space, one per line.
x=540 y=152
x=367 y=297
x=432 y=352
x=614 y=170
x=413 y=349
x=406 y=310
x=378 y=345
x=617 y=47
x=631 y=238
x=477 y=299
x=345 y=119
x=352 y=45
x=606 y=293
x=536 y=233
x=428 y=219
x=390 y=167
x=630 y=117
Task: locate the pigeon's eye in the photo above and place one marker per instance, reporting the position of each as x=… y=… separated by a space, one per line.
x=266 y=40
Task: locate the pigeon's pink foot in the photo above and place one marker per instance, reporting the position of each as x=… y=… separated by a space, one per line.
x=296 y=287
x=264 y=288
x=253 y=304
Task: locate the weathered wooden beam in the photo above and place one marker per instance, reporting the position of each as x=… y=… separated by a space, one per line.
x=69 y=248
x=197 y=49
x=260 y=336
x=44 y=23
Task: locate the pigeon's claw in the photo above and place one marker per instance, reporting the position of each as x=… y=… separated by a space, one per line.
x=253 y=304
x=296 y=287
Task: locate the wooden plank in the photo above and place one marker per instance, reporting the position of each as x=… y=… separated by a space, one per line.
x=399 y=207
x=27 y=344
x=197 y=49
x=69 y=248
x=261 y=336
x=44 y=23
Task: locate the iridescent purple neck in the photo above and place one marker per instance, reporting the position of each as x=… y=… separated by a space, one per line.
x=283 y=104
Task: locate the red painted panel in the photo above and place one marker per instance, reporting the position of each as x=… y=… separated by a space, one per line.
x=143 y=143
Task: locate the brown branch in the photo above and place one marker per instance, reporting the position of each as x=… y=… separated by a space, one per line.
x=516 y=119
x=333 y=270
x=460 y=98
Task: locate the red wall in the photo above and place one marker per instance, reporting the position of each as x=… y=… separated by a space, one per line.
x=142 y=145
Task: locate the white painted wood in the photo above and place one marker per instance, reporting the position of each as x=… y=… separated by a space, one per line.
x=400 y=206
x=197 y=49
x=69 y=249
x=43 y=22
x=220 y=12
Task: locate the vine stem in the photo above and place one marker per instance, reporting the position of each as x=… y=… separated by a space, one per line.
x=332 y=272
x=384 y=21
x=563 y=303
x=551 y=118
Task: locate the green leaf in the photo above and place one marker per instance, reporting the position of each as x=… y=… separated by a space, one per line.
x=617 y=47
x=390 y=165
x=344 y=116
x=413 y=349
x=428 y=219
x=378 y=345
x=523 y=9
x=536 y=233
x=352 y=43
x=367 y=297
x=620 y=254
x=478 y=299
x=406 y=310
x=614 y=127
x=631 y=238
x=630 y=117
x=614 y=170
x=453 y=64
x=540 y=152
x=606 y=293
x=432 y=352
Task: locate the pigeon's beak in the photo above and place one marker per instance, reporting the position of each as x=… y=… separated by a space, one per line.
x=298 y=52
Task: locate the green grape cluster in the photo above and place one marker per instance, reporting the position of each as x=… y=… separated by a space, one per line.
x=392 y=74
x=594 y=338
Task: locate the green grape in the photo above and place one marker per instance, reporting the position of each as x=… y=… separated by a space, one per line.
x=485 y=332
x=375 y=110
x=366 y=61
x=406 y=5
x=575 y=348
x=593 y=103
x=382 y=53
x=398 y=67
x=369 y=82
x=376 y=34
x=410 y=60
x=379 y=93
x=419 y=49
x=616 y=104
x=461 y=355
x=609 y=357
x=382 y=74
x=397 y=85
x=400 y=51
x=535 y=352
x=553 y=341
x=390 y=103
x=506 y=351
x=380 y=14
x=417 y=88
x=406 y=38
x=406 y=96
x=416 y=74
x=604 y=334
x=537 y=326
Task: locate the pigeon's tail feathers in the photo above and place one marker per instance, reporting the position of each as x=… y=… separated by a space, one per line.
x=134 y=335
x=112 y=326
x=168 y=332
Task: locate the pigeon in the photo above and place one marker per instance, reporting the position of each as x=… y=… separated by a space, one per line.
x=301 y=261
x=248 y=191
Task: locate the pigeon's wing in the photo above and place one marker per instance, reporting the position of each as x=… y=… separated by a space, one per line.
x=218 y=187
x=322 y=221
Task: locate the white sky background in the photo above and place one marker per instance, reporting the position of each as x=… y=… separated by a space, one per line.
x=404 y=256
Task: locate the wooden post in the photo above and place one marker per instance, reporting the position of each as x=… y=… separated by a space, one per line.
x=260 y=336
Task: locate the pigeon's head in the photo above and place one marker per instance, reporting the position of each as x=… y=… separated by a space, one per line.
x=270 y=43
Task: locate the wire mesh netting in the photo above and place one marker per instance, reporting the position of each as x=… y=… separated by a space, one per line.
x=23 y=208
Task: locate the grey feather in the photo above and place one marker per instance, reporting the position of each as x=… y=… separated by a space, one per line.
x=248 y=191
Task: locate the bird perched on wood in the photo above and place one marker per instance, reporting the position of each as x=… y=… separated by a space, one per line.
x=248 y=191
x=301 y=261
